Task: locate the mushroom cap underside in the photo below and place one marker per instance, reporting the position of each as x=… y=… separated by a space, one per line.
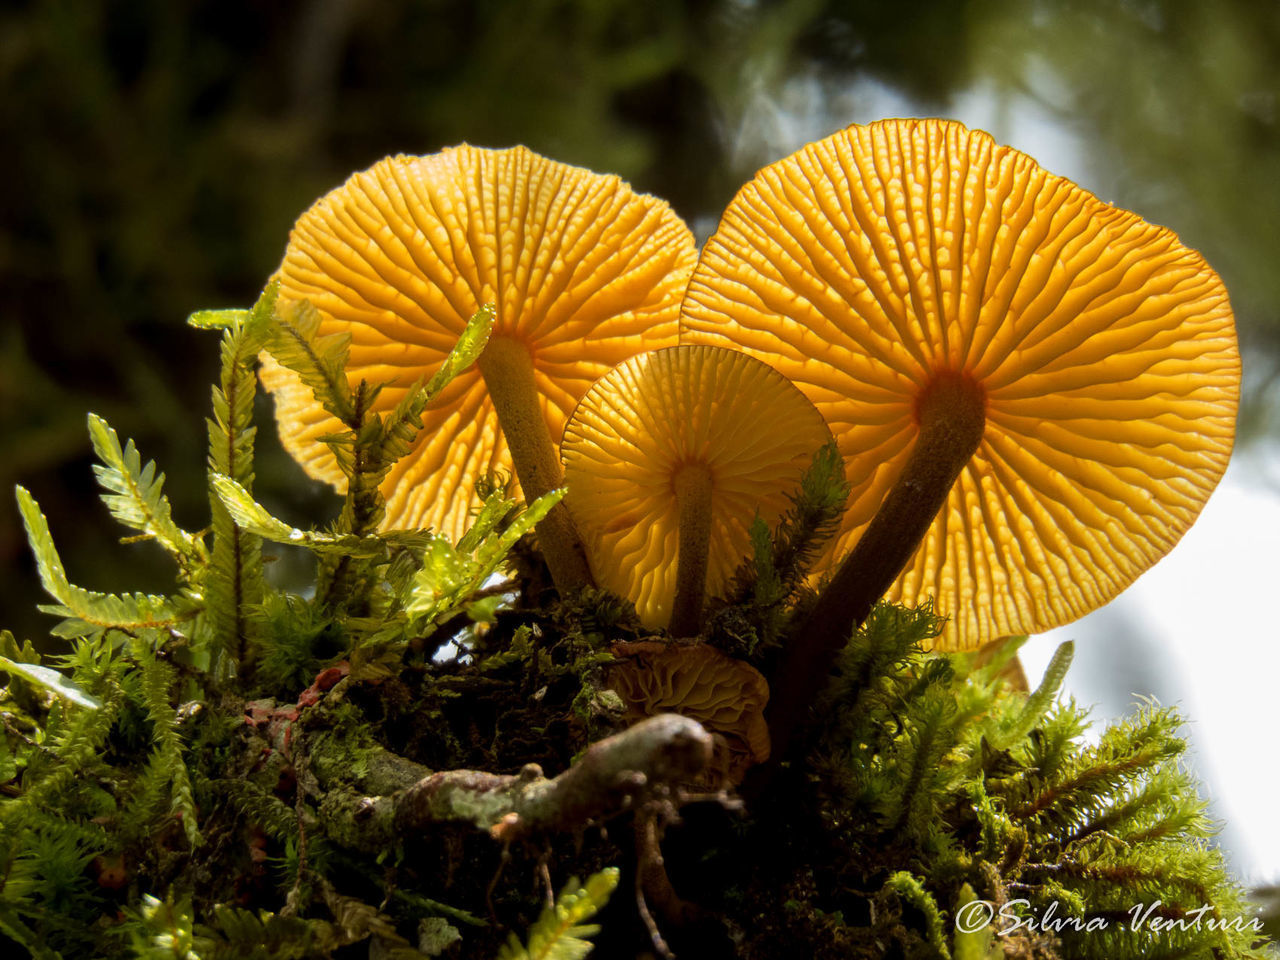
x=657 y=414
x=583 y=271
x=725 y=695
x=868 y=264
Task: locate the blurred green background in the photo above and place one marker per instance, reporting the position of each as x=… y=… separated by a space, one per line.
x=155 y=153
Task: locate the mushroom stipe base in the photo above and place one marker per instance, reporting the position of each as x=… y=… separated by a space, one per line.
x=950 y=412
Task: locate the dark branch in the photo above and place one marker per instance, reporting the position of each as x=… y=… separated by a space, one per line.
x=612 y=776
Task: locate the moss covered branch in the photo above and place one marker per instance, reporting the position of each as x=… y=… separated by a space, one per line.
x=611 y=777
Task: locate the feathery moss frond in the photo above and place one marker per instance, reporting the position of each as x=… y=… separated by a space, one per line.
x=258 y=807
x=157 y=682
x=234 y=579
x=450 y=575
x=774 y=573
x=135 y=497
x=918 y=777
x=815 y=514
x=371 y=443
x=1127 y=750
x=401 y=426
x=89 y=612
x=1041 y=699
x=913 y=892
x=75 y=738
x=320 y=361
x=239 y=934
x=254 y=518
x=217 y=319
x=561 y=931
x=162 y=929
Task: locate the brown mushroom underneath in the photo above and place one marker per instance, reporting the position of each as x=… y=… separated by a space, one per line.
x=725 y=695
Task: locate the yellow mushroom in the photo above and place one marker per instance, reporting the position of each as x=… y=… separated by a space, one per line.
x=668 y=459
x=584 y=273
x=1034 y=391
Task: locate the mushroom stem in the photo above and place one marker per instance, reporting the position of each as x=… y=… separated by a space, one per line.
x=951 y=413
x=507 y=369
x=693 y=501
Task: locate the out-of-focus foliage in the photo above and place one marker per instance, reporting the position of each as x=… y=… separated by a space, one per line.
x=1177 y=104
x=157 y=151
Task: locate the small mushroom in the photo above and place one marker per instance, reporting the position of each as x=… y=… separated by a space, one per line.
x=584 y=273
x=725 y=695
x=1034 y=391
x=668 y=458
